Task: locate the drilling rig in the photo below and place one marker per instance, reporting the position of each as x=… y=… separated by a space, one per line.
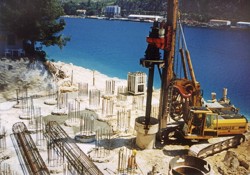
x=182 y=107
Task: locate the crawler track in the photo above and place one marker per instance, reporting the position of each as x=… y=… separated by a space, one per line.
x=68 y=148
x=205 y=150
x=33 y=160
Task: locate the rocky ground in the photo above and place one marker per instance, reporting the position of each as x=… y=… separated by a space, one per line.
x=23 y=73
x=235 y=161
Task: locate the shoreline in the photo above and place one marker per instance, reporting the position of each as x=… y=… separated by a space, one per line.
x=189 y=23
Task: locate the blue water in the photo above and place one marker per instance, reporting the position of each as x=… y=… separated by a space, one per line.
x=221 y=58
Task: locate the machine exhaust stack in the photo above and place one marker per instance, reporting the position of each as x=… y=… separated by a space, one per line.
x=213 y=95
x=225 y=94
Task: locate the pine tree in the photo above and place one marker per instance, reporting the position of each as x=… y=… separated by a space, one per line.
x=34 y=21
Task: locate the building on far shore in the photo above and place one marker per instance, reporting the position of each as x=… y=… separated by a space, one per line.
x=219 y=23
x=112 y=11
x=81 y=12
x=149 y=18
x=243 y=25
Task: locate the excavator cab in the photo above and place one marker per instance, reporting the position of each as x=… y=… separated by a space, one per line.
x=201 y=123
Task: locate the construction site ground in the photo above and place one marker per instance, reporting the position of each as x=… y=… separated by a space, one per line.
x=234 y=161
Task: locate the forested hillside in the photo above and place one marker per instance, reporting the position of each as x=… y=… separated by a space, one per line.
x=199 y=10
x=234 y=10
x=149 y=7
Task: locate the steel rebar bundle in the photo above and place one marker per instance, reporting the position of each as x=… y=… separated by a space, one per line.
x=2 y=137
x=123 y=119
x=83 y=89
x=33 y=160
x=68 y=148
x=94 y=98
x=110 y=87
x=5 y=169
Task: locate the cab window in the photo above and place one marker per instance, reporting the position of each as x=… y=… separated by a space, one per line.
x=208 y=121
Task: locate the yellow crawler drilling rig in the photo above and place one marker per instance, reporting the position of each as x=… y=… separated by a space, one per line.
x=181 y=97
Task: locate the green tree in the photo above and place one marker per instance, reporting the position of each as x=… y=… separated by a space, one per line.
x=70 y=8
x=34 y=21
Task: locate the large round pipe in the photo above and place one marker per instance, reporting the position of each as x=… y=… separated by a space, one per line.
x=186 y=165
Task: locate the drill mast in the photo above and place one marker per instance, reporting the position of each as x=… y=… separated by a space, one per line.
x=168 y=58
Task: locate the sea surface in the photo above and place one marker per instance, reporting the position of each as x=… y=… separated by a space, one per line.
x=220 y=57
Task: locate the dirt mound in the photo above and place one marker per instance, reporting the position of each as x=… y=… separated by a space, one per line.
x=234 y=161
x=21 y=74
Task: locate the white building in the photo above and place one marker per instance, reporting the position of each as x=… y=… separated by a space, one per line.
x=144 y=17
x=243 y=24
x=217 y=22
x=112 y=11
x=137 y=83
x=81 y=12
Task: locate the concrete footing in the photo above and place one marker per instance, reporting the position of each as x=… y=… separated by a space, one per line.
x=85 y=138
x=145 y=138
